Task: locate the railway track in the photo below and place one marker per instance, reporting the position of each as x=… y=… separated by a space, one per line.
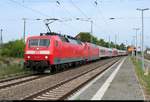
x=13 y=78
x=34 y=86
x=19 y=80
x=5 y=83
x=65 y=88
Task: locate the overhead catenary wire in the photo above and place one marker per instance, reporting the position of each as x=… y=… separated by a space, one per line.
x=99 y=11
x=96 y=5
x=101 y=14
x=59 y=3
x=33 y=10
x=78 y=8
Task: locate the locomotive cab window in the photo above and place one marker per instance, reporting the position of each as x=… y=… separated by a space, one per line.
x=33 y=42
x=39 y=42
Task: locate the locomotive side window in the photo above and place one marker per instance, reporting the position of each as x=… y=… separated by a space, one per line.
x=79 y=42
x=64 y=39
x=72 y=41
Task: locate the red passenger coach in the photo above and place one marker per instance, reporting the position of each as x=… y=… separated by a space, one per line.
x=45 y=51
x=92 y=51
x=114 y=52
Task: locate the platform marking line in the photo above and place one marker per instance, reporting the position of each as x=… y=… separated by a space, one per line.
x=73 y=97
x=100 y=93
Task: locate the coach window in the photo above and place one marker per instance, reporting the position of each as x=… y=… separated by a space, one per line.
x=103 y=51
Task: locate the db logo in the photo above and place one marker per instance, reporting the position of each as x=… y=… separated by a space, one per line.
x=37 y=52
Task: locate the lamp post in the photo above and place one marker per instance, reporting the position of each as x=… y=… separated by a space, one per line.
x=91 y=22
x=115 y=34
x=24 y=28
x=126 y=45
x=1 y=38
x=115 y=41
x=136 y=30
x=109 y=41
x=134 y=45
x=91 y=30
x=142 y=11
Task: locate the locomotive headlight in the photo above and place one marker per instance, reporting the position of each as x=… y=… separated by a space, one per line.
x=28 y=57
x=46 y=57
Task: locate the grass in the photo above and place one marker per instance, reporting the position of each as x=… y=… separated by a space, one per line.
x=11 y=69
x=144 y=79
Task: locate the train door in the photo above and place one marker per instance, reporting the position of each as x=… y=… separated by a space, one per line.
x=58 y=52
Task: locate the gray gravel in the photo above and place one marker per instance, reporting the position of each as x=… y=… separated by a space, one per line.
x=25 y=89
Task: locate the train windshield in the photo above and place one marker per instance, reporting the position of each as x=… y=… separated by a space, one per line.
x=39 y=42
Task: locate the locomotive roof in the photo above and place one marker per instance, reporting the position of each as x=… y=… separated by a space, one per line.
x=48 y=35
x=39 y=37
x=45 y=35
x=57 y=34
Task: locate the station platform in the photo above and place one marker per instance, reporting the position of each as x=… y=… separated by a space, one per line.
x=117 y=83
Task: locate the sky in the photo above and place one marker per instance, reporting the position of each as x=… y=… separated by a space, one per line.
x=124 y=11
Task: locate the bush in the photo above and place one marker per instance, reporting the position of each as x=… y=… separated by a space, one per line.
x=13 y=49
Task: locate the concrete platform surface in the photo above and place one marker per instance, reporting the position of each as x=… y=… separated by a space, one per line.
x=118 y=83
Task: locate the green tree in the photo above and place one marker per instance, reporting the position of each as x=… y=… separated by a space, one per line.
x=13 y=49
x=94 y=40
x=117 y=46
x=106 y=44
x=101 y=42
x=122 y=46
x=112 y=45
x=84 y=36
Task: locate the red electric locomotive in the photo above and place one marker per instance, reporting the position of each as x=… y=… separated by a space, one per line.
x=51 y=49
